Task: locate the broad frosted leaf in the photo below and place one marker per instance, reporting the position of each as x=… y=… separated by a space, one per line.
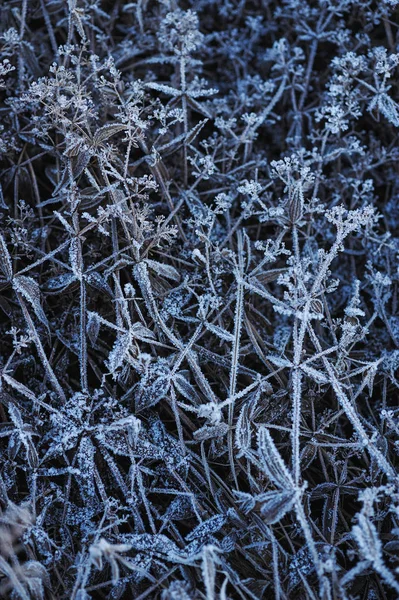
x=126 y=422
x=140 y=332
x=118 y=352
x=20 y=387
x=5 y=259
x=151 y=394
x=105 y=132
x=29 y=289
x=60 y=283
x=314 y=374
x=164 y=270
x=147 y=542
x=93 y=326
x=97 y=281
x=207 y=528
x=246 y=501
x=220 y=332
x=272 y=463
x=80 y=163
x=276 y=504
x=208 y=432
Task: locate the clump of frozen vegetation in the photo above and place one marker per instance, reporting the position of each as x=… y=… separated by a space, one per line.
x=199 y=310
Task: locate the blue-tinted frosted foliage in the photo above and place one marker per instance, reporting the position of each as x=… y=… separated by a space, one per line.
x=199 y=310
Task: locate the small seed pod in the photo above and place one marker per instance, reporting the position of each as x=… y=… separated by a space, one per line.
x=317 y=306
x=295 y=209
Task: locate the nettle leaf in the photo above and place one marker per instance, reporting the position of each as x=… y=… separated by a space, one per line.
x=207 y=528
x=79 y=163
x=107 y=131
x=98 y=282
x=164 y=270
x=30 y=290
x=60 y=283
x=272 y=463
x=147 y=542
x=151 y=394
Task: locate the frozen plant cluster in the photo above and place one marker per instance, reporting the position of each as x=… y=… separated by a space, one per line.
x=199 y=299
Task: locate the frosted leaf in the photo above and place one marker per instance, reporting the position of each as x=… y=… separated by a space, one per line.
x=220 y=332
x=272 y=463
x=208 y=432
x=35 y=575
x=207 y=528
x=366 y=536
x=30 y=290
x=20 y=387
x=60 y=283
x=106 y=131
x=141 y=332
x=153 y=393
x=317 y=376
x=274 y=505
x=119 y=352
x=163 y=88
x=279 y=361
x=75 y=257
x=388 y=108
x=93 y=326
x=158 y=543
x=5 y=259
x=186 y=389
x=164 y=270
x=98 y=282
x=243 y=432
x=208 y=569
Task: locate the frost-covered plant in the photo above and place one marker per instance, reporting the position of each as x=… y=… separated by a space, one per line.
x=199 y=244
